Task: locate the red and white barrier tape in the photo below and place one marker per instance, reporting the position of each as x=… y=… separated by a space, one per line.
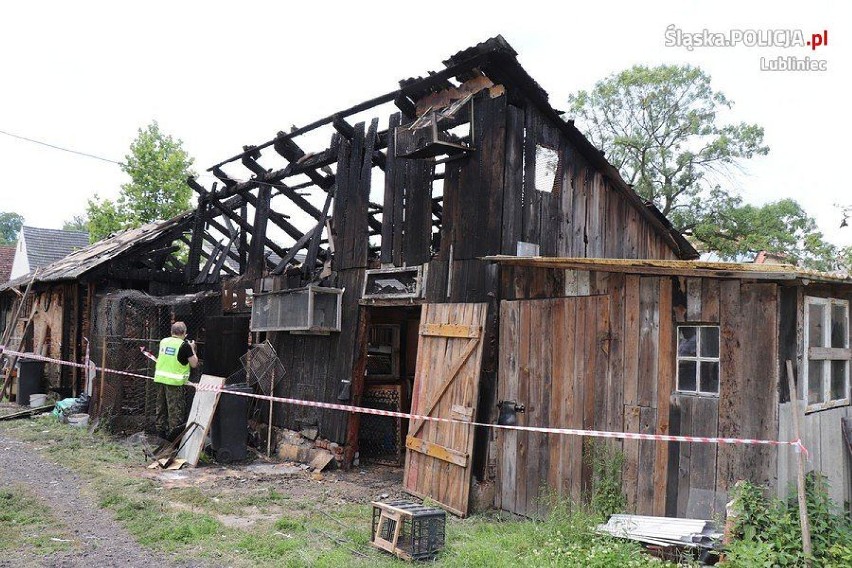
x=797 y=443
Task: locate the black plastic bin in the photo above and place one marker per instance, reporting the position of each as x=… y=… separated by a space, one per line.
x=229 y=431
x=30 y=378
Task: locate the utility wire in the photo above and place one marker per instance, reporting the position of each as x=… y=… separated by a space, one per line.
x=55 y=147
x=86 y=154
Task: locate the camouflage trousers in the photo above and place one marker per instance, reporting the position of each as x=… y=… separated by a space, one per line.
x=171 y=408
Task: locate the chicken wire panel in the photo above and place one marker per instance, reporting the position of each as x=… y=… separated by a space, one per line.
x=258 y=361
x=380 y=437
x=125 y=323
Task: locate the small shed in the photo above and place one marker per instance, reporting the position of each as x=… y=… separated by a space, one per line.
x=671 y=347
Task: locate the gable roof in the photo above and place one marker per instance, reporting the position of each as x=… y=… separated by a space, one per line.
x=45 y=246
x=89 y=257
x=497 y=60
x=7 y=257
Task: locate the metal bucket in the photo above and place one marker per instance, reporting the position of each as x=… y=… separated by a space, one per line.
x=37 y=399
x=78 y=420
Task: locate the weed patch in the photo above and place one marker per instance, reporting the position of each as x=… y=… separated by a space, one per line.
x=25 y=522
x=767 y=530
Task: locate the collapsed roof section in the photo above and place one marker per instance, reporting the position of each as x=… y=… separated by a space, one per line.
x=295 y=173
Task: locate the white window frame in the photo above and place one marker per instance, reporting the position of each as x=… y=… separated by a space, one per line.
x=804 y=377
x=698 y=360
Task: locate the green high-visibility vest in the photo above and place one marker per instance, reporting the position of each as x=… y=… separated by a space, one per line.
x=169 y=370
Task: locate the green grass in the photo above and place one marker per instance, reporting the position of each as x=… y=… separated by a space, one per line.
x=27 y=523
x=296 y=531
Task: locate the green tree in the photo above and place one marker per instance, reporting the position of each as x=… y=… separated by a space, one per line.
x=662 y=127
x=76 y=223
x=10 y=226
x=158 y=167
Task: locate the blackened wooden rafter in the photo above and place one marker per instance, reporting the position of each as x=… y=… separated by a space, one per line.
x=399 y=95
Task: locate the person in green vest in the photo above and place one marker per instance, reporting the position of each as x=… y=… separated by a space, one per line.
x=176 y=357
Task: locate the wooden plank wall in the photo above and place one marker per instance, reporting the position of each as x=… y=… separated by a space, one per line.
x=820 y=431
x=310 y=370
x=638 y=390
x=584 y=216
x=545 y=363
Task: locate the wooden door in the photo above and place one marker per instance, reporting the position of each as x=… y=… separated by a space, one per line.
x=553 y=361
x=438 y=462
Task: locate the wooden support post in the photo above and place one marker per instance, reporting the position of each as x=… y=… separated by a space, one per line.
x=800 y=473
x=103 y=372
x=256 y=262
x=269 y=431
x=359 y=369
x=198 y=228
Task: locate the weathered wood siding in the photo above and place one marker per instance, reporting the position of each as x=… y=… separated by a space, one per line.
x=820 y=430
x=639 y=389
x=489 y=204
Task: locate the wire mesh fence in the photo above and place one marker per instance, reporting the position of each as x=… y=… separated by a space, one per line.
x=125 y=323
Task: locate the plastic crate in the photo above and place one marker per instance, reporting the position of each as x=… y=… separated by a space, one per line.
x=409 y=530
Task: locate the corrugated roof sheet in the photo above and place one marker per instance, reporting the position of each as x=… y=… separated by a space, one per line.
x=678 y=268
x=81 y=261
x=45 y=246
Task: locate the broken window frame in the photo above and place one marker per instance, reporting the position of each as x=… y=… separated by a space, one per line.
x=698 y=359
x=826 y=362
x=540 y=150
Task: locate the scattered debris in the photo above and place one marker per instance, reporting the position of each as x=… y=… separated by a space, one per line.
x=169 y=463
x=203 y=406
x=663 y=531
x=68 y=406
x=27 y=413
x=321 y=459
x=310 y=433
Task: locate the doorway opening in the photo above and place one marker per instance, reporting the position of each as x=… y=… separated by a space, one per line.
x=391 y=358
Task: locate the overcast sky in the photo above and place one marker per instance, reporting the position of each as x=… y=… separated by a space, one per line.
x=87 y=75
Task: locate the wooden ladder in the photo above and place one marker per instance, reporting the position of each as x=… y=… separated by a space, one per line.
x=7 y=335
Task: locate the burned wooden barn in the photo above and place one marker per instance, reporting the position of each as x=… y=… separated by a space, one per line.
x=670 y=347
x=455 y=249
x=364 y=237
x=111 y=298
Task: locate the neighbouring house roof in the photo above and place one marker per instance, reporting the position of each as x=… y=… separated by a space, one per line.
x=85 y=259
x=730 y=270
x=7 y=257
x=765 y=257
x=45 y=246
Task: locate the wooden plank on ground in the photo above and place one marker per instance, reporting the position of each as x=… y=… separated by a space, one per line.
x=201 y=414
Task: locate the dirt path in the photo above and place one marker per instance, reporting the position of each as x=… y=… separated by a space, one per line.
x=98 y=539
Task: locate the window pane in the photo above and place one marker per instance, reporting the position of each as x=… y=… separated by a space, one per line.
x=546 y=168
x=709 y=342
x=686 y=375
x=710 y=377
x=839 y=322
x=816 y=316
x=838 y=379
x=686 y=338
x=815 y=392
